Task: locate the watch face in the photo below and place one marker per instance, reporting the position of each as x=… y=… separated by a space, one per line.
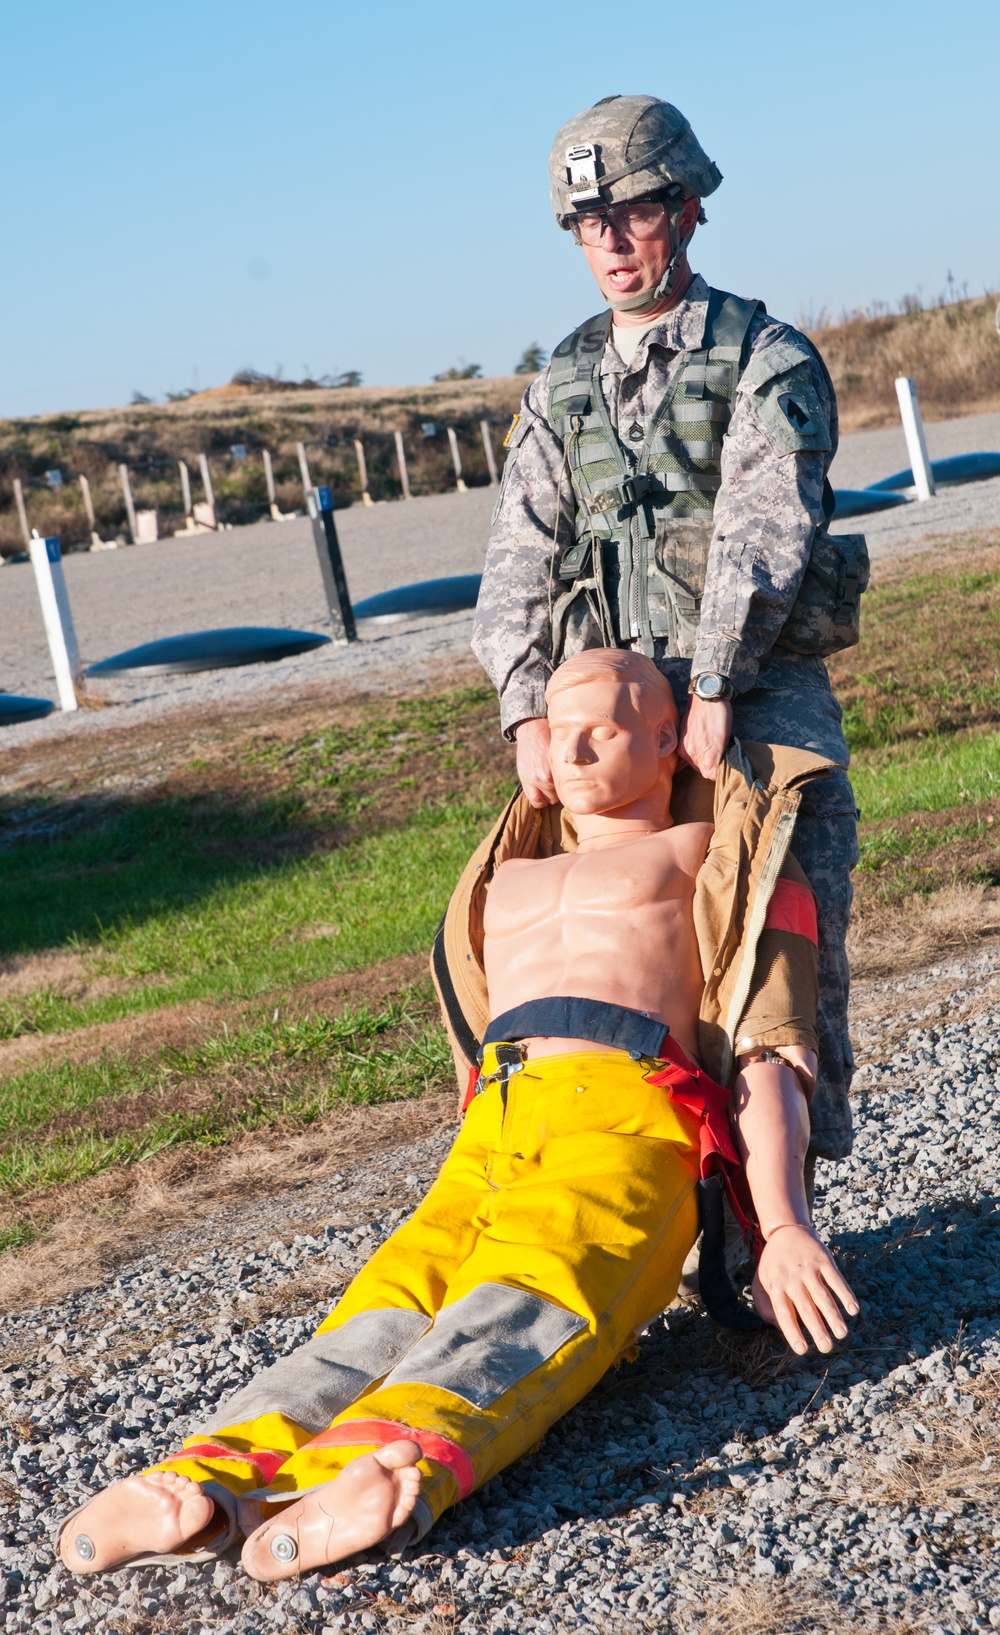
x=709 y=686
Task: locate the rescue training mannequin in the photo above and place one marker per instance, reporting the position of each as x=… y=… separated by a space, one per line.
x=562 y=1216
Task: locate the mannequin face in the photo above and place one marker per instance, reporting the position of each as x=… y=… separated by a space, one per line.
x=605 y=752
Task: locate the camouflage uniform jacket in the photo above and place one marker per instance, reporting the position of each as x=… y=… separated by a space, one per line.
x=766 y=514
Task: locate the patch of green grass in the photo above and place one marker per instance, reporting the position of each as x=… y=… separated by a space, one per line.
x=261 y=1073
x=297 y=922
x=343 y=762
x=926 y=775
x=929 y=658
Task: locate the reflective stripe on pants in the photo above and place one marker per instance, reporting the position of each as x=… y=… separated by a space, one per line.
x=555 y=1232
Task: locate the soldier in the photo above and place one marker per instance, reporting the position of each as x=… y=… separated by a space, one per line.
x=665 y=490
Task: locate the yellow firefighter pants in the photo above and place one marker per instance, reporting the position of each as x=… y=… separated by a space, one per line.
x=555 y=1231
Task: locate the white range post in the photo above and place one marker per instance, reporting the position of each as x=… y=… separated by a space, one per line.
x=22 y=514
x=456 y=460
x=182 y=467
x=129 y=503
x=211 y=520
x=88 y=506
x=359 y=449
x=491 y=463
x=401 y=462
x=272 y=492
x=46 y=559
x=913 y=430
x=307 y=482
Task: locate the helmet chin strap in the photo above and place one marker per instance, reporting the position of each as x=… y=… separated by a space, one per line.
x=647 y=299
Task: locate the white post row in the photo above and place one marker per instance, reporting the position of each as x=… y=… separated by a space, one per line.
x=207 y=516
x=22 y=514
x=359 y=449
x=96 y=542
x=307 y=482
x=456 y=460
x=46 y=559
x=88 y=506
x=916 y=445
x=272 y=492
x=129 y=503
x=277 y=514
x=401 y=462
x=491 y=464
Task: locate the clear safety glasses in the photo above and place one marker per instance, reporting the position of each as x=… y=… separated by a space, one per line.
x=641 y=219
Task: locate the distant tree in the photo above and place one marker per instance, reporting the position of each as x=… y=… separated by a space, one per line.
x=248 y=377
x=181 y=396
x=532 y=360
x=468 y=371
x=350 y=377
x=140 y=397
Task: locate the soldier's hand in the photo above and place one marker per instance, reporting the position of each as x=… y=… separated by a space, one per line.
x=533 y=766
x=797 y=1286
x=707 y=729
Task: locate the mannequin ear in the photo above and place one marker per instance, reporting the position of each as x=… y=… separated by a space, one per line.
x=666 y=739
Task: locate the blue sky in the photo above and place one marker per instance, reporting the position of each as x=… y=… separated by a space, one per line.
x=194 y=187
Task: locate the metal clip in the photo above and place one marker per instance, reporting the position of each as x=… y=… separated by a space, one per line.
x=510 y=1060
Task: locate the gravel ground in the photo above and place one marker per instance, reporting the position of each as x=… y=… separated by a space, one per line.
x=860 y=1489
x=866 y=456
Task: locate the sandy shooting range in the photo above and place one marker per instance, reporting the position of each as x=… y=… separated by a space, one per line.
x=267 y=574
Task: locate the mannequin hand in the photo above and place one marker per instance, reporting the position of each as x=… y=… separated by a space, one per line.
x=707 y=730
x=797 y=1283
x=533 y=767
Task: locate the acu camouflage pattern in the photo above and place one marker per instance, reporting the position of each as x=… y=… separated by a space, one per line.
x=767 y=511
x=643 y=520
x=642 y=144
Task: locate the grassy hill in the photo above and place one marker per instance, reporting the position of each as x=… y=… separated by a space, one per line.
x=951 y=351
x=150 y=439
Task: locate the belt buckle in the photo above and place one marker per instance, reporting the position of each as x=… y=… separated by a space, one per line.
x=510 y=1060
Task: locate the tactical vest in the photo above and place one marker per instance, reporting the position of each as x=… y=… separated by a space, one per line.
x=635 y=573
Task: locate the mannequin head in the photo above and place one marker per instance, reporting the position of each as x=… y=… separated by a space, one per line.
x=613 y=750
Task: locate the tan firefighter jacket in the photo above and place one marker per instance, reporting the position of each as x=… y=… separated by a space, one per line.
x=760 y=980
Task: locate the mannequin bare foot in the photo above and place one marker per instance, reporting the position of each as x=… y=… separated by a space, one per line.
x=371 y=1498
x=154 y=1513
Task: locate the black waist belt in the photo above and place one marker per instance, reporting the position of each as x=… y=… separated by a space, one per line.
x=563 y=1018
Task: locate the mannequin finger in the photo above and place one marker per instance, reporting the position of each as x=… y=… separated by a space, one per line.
x=809 y=1315
x=827 y=1306
x=788 y=1321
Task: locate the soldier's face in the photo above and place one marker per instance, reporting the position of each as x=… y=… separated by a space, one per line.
x=605 y=752
x=629 y=266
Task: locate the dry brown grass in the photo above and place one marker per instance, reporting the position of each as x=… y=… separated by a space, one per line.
x=774 y=1610
x=888 y=939
x=94 y=1226
x=150 y=439
x=952 y=353
x=952 y=1466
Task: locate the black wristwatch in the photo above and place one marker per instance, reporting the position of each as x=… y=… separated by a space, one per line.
x=714 y=689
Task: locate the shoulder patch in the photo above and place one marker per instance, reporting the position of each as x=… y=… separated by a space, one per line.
x=792 y=412
x=512 y=428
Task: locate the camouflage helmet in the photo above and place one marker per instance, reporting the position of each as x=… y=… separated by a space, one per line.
x=623 y=148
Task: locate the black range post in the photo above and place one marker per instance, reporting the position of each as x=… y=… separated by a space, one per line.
x=331 y=565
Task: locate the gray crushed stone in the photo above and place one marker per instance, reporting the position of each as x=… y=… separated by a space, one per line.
x=698 y=1468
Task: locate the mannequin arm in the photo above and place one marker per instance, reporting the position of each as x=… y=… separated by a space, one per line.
x=797 y=1284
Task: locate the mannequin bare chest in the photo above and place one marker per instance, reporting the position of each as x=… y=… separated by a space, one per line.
x=612 y=922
